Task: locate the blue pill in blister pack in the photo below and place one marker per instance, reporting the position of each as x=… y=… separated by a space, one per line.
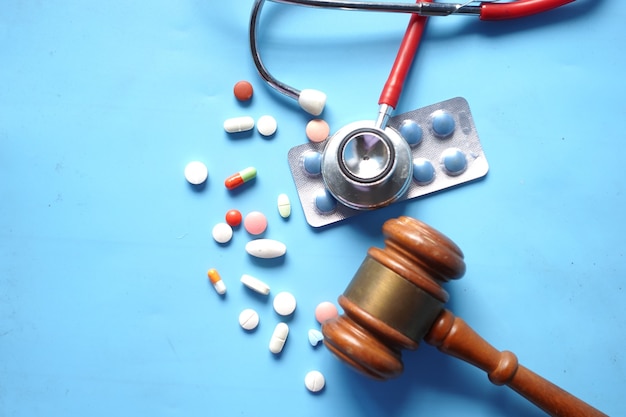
x=423 y=171
x=325 y=202
x=444 y=151
x=411 y=131
x=312 y=162
x=443 y=123
x=454 y=161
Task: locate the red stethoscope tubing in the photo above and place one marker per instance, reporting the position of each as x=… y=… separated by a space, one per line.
x=407 y=51
x=517 y=9
x=410 y=42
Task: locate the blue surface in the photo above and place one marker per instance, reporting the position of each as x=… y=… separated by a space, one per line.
x=105 y=308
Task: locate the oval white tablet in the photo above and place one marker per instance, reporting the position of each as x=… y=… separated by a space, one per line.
x=279 y=337
x=255 y=284
x=196 y=172
x=284 y=205
x=314 y=381
x=222 y=233
x=266 y=248
x=284 y=303
x=266 y=125
x=238 y=124
x=248 y=319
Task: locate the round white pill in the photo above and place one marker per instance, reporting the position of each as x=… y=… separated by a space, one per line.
x=196 y=172
x=222 y=233
x=266 y=125
x=314 y=381
x=284 y=303
x=248 y=319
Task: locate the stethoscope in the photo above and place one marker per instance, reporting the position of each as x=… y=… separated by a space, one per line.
x=367 y=164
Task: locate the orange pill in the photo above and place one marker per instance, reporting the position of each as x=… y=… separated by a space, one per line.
x=317 y=130
x=243 y=91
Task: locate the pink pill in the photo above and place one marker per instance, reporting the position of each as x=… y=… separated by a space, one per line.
x=317 y=130
x=325 y=311
x=255 y=223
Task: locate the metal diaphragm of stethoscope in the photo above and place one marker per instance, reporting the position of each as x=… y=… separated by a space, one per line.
x=370 y=164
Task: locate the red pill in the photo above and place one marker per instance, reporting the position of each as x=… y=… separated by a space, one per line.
x=243 y=91
x=233 y=218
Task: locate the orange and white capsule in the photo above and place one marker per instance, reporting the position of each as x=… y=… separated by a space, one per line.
x=217 y=282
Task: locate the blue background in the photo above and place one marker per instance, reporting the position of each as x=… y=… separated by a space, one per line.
x=105 y=308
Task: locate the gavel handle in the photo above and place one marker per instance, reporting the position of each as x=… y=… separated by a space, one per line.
x=453 y=336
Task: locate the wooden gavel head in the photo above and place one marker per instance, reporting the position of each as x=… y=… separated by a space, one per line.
x=394 y=298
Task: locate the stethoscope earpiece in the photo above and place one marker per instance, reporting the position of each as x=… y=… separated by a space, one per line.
x=312 y=101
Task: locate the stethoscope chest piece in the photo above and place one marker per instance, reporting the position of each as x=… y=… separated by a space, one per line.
x=365 y=167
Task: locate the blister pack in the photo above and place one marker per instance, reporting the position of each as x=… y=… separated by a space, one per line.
x=445 y=150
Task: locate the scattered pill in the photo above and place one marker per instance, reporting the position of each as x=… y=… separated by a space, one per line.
x=238 y=124
x=266 y=248
x=423 y=171
x=196 y=172
x=315 y=337
x=443 y=123
x=217 y=282
x=279 y=337
x=266 y=125
x=255 y=223
x=312 y=162
x=243 y=90
x=233 y=218
x=222 y=233
x=249 y=319
x=284 y=303
x=325 y=311
x=314 y=381
x=240 y=178
x=454 y=161
x=411 y=131
x=284 y=205
x=317 y=130
x=255 y=284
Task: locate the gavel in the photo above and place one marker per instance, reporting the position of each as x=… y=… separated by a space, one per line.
x=395 y=300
